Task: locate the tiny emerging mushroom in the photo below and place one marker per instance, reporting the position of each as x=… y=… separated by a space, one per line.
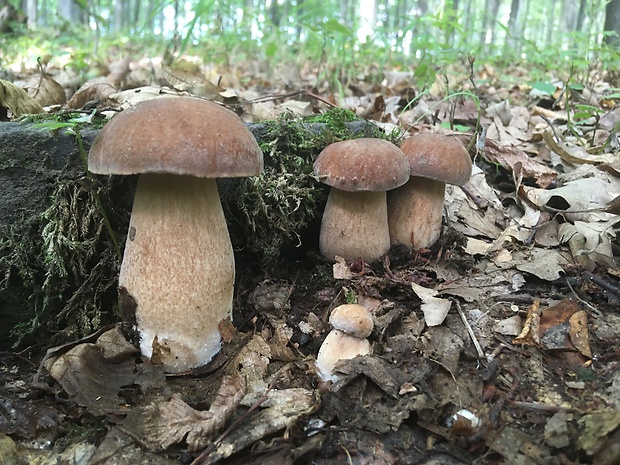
x=359 y=171
x=352 y=324
x=178 y=268
x=415 y=209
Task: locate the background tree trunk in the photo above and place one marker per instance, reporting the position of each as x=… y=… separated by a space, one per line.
x=612 y=22
x=70 y=11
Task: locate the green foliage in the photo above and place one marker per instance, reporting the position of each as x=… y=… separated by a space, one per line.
x=63 y=256
x=68 y=256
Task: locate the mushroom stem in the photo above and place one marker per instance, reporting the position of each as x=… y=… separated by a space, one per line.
x=414 y=212
x=355 y=225
x=178 y=268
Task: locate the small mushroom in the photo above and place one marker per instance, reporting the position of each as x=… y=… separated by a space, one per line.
x=178 y=269
x=355 y=221
x=415 y=209
x=352 y=324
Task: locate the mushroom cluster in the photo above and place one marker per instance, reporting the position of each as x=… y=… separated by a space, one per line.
x=355 y=220
x=178 y=268
x=415 y=209
x=352 y=324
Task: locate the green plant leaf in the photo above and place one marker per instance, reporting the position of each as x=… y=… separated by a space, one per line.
x=332 y=26
x=545 y=87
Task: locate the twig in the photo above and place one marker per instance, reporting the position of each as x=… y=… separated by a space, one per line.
x=600 y=282
x=470 y=330
x=595 y=311
x=539 y=406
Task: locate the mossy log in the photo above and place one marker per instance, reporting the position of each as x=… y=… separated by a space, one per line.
x=58 y=263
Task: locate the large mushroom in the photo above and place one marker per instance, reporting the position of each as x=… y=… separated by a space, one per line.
x=178 y=269
x=415 y=209
x=360 y=171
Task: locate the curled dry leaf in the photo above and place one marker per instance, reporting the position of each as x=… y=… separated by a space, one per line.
x=171 y=422
x=529 y=335
x=282 y=408
x=575 y=155
x=91 y=380
x=185 y=76
x=45 y=90
x=17 y=100
x=92 y=91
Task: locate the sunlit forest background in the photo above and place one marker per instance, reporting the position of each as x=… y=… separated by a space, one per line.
x=343 y=41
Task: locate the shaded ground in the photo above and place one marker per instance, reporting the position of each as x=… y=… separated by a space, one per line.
x=534 y=403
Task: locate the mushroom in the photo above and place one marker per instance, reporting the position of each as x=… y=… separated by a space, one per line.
x=359 y=171
x=178 y=268
x=352 y=324
x=415 y=209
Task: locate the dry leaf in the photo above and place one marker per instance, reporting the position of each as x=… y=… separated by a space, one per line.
x=282 y=409
x=17 y=100
x=529 y=335
x=118 y=72
x=575 y=155
x=187 y=77
x=172 y=422
x=92 y=91
x=92 y=381
x=435 y=309
x=130 y=98
x=578 y=332
x=45 y=90
x=26 y=418
x=340 y=269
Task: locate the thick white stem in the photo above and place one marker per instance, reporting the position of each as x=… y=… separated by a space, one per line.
x=178 y=269
x=355 y=226
x=415 y=211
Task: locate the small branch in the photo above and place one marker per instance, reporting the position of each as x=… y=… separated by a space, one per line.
x=600 y=282
x=470 y=330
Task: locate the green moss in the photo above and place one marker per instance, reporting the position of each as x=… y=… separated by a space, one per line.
x=269 y=213
x=65 y=260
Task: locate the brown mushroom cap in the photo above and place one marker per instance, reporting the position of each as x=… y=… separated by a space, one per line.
x=362 y=165
x=437 y=157
x=176 y=135
x=353 y=319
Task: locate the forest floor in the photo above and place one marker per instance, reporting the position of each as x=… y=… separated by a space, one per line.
x=499 y=344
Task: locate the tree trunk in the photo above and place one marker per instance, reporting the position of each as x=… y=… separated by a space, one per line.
x=70 y=11
x=569 y=16
x=31 y=12
x=581 y=15
x=612 y=22
x=512 y=46
x=551 y=23
x=119 y=11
